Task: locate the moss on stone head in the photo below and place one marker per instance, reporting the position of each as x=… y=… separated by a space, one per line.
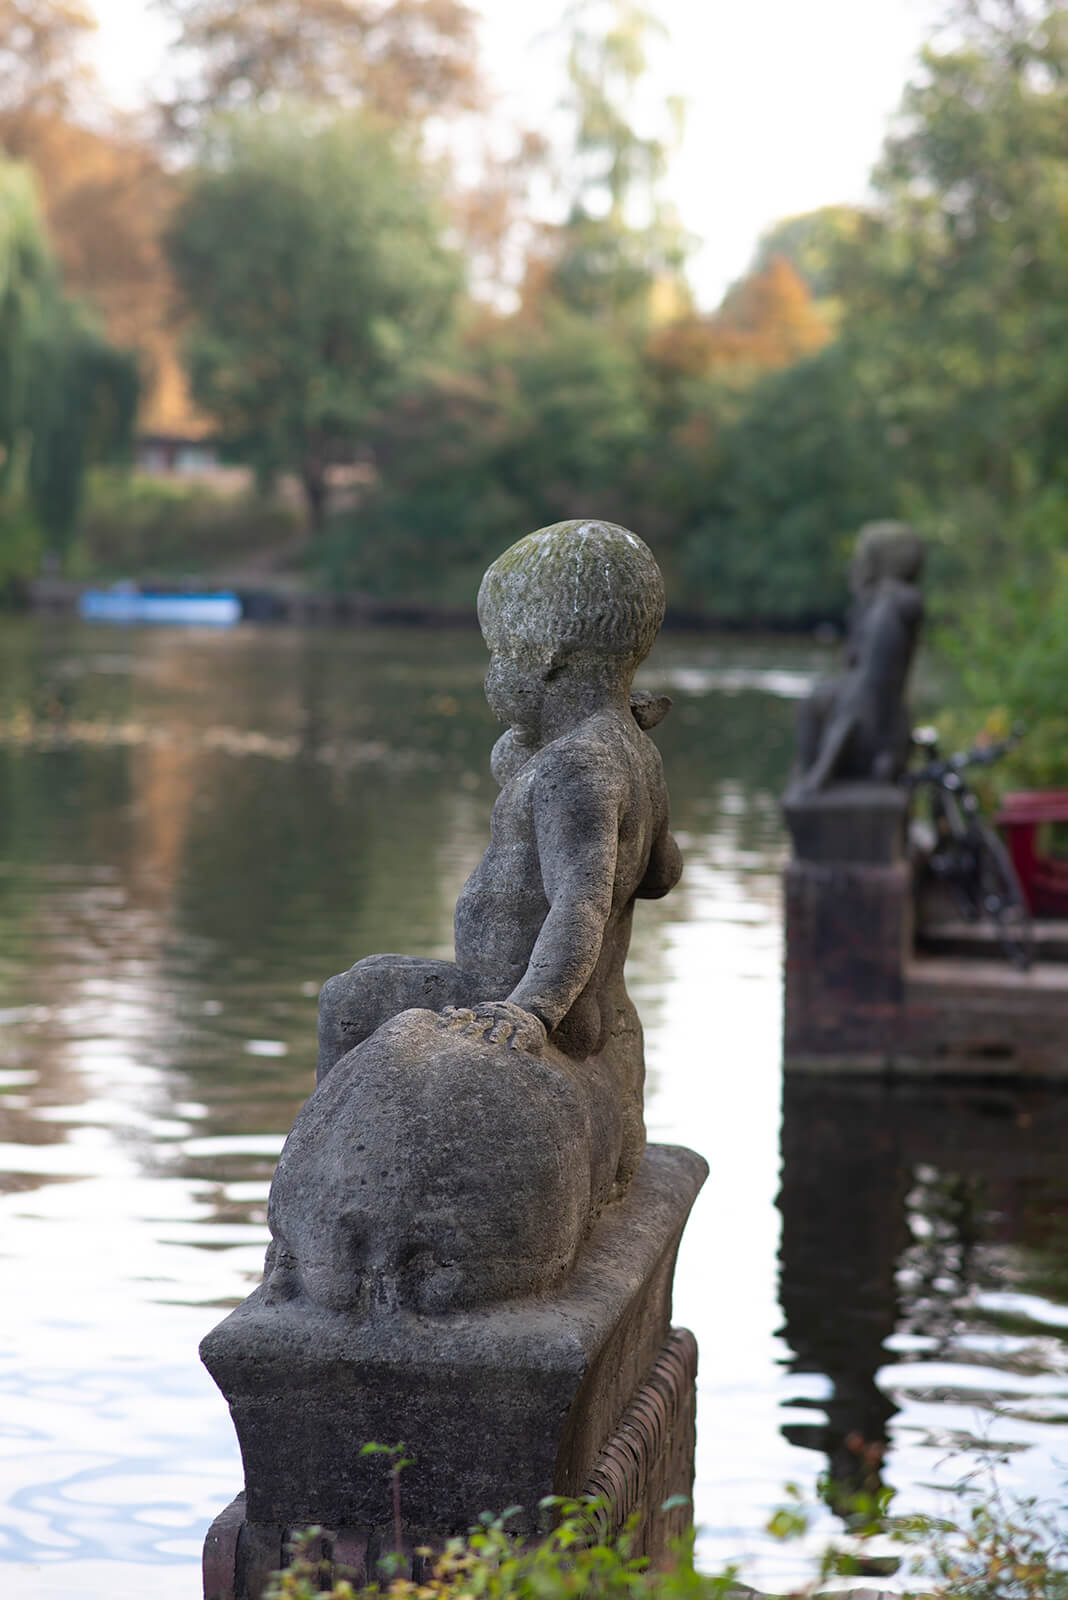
x=580 y=585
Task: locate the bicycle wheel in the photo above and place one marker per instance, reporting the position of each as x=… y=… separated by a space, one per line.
x=1001 y=897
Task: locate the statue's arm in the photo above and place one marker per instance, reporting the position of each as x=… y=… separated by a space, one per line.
x=836 y=736
x=576 y=808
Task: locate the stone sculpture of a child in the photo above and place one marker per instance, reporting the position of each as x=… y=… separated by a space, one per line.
x=579 y=830
x=457 y=1250
x=856 y=725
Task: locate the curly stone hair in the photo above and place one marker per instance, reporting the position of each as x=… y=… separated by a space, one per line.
x=576 y=586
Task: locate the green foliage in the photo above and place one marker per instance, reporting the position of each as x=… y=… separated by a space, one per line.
x=83 y=397
x=955 y=308
x=20 y=546
x=494 y=1564
x=944 y=398
x=811 y=242
x=997 y=1550
x=135 y=525
x=990 y=1546
x=66 y=396
x=954 y=288
x=795 y=484
x=310 y=253
x=538 y=423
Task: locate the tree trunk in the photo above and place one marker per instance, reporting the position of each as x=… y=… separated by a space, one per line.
x=313 y=477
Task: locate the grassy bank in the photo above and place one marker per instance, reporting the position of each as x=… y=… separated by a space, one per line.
x=138 y=526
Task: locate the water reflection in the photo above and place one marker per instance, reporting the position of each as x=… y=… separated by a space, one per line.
x=924 y=1232
x=843 y=1228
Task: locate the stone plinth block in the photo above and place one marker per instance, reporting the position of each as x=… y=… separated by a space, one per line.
x=848 y=934
x=849 y=917
x=499 y=1406
x=860 y=822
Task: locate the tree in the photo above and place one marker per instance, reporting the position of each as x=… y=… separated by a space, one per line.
x=310 y=254
x=799 y=474
x=106 y=200
x=402 y=59
x=42 y=70
x=811 y=243
x=104 y=192
x=619 y=237
x=530 y=426
x=957 y=283
x=67 y=397
x=767 y=321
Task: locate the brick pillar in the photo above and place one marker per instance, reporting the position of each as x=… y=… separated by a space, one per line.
x=849 y=914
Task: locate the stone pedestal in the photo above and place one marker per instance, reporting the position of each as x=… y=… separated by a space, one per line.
x=860 y=998
x=584 y=1391
x=860 y=823
x=849 y=915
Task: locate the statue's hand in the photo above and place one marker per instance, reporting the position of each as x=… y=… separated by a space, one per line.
x=500 y=1022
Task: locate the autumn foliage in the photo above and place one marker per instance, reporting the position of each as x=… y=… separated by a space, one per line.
x=767 y=321
x=271 y=252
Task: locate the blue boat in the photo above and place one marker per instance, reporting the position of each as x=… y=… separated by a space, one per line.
x=220 y=609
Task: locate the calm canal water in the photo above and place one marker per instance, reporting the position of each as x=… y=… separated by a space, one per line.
x=196 y=829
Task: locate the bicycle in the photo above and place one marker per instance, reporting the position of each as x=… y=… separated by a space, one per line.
x=967 y=854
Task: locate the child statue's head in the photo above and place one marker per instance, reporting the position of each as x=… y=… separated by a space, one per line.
x=586 y=593
x=886 y=550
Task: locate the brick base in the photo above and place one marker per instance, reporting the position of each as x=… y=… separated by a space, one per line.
x=848 y=930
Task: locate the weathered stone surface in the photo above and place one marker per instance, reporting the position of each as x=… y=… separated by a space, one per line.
x=439 y=1168
x=856 y=822
x=220 y=1558
x=471 y=1248
x=856 y=725
x=642 y=1476
x=579 y=831
x=848 y=936
x=501 y=1405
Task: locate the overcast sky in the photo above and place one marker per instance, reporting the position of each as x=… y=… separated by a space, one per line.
x=787 y=100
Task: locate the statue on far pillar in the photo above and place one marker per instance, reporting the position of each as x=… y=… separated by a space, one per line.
x=855 y=726
x=849 y=882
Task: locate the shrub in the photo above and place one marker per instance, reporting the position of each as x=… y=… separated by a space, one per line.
x=493 y=1564
x=135 y=525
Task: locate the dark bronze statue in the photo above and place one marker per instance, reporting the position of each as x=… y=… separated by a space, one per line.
x=856 y=724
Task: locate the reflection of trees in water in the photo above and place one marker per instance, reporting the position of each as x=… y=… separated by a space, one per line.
x=899 y=1203
x=1042 y=1227
x=947 y=1221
